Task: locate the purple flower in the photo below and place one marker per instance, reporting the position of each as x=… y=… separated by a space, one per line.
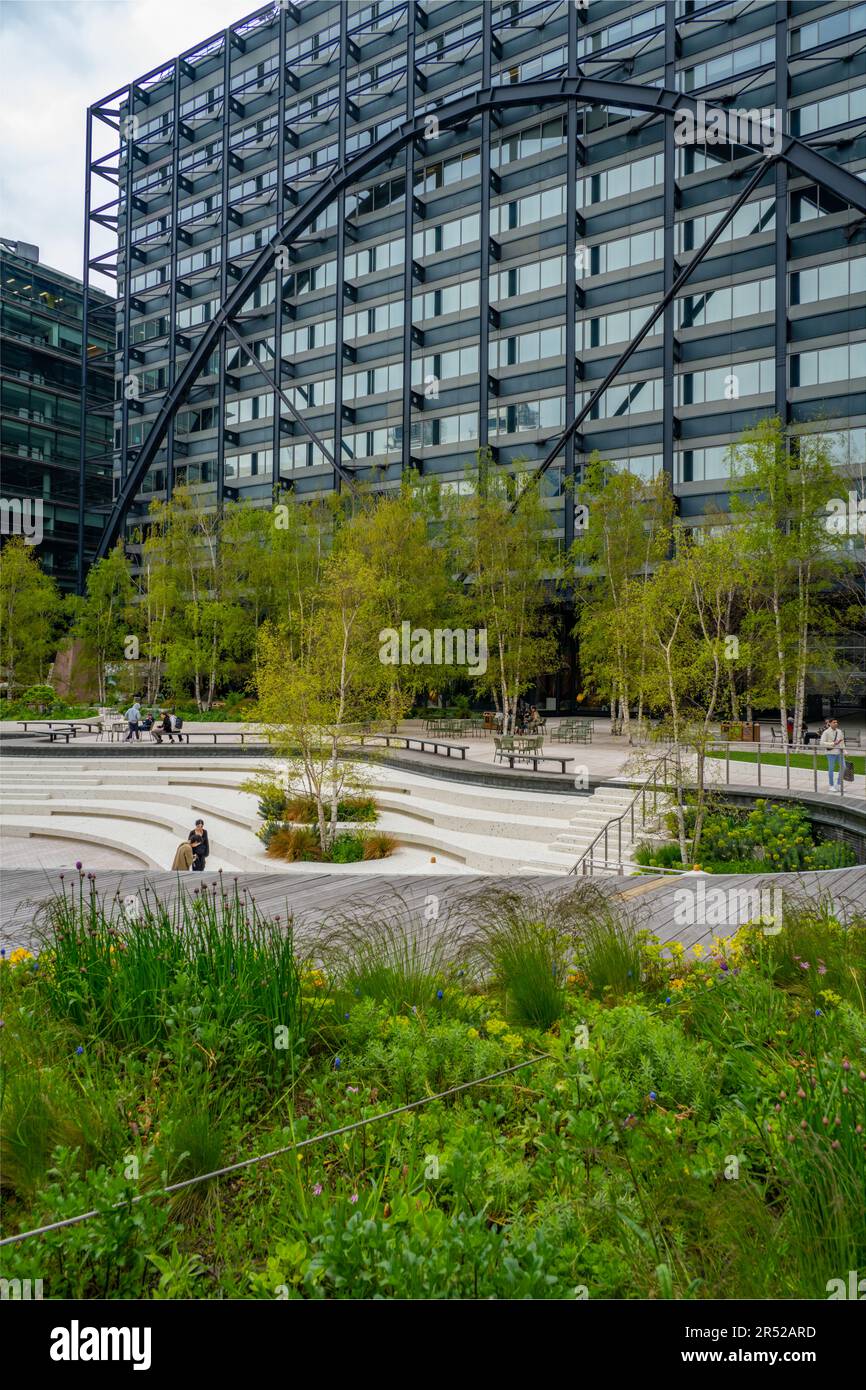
x=804 y=965
x=352 y=1090
x=338 y=1062
x=652 y=1095
x=79 y=1049
x=353 y=1198
x=317 y=1190
x=438 y=994
x=78 y=864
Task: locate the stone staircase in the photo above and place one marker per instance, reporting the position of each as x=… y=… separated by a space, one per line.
x=602 y=808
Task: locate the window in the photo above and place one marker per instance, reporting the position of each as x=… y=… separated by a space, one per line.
x=727 y=302
x=619 y=182
x=829 y=281
x=447 y=299
x=627 y=251
x=528 y=347
x=535 y=207
x=446 y=236
x=615 y=328
x=832 y=111
x=527 y=279
x=842 y=363
x=725 y=383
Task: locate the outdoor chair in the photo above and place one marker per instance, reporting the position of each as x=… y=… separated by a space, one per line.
x=502 y=743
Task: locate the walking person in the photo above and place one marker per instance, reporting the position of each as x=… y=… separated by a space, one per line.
x=132 y=717
x=833 y=742
x=198 y=838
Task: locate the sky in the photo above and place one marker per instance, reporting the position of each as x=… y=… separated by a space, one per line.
x=57 y=57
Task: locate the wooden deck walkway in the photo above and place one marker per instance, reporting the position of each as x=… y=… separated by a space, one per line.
x=316 y=900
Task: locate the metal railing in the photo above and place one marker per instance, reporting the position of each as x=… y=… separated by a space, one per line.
x=590 y=859
x=652 y=783
x=814 y=751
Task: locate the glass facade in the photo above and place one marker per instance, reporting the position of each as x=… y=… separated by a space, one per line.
x=477 y=289
x=41 y=313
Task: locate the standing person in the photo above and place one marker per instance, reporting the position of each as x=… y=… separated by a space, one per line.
x=833 y=741
x=132 y=716
x=198 y=838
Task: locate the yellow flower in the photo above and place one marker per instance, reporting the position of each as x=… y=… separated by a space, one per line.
x=495 y=1025
x=678 y=984
x=512 y=1040
x=19 y=955
x=472 y=1033
x=698 y=950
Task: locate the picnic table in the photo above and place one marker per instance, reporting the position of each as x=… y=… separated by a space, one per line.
x=512 y=748
x=72 y=725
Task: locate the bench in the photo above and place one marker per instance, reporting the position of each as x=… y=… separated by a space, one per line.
x=535 y=759
x=422 y=745
x=213 y=734
x=54 y=734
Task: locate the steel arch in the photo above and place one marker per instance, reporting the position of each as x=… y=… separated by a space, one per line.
x=663 y=101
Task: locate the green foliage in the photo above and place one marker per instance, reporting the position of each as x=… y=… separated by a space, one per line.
x=347 y=849
x=138 y=1055
x=525 y=960
x=774 y=837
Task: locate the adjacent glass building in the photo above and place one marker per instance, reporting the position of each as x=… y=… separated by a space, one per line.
x=41 y=335
x=473 y=289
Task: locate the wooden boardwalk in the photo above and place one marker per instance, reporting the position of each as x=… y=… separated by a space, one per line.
x=315 y=900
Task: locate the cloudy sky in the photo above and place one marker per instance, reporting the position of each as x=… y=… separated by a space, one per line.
x=56 y=58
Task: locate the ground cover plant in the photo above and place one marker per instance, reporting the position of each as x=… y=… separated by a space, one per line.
x=772 y=837
x=689 y=1124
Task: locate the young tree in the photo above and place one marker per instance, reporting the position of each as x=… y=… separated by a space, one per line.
x=413 y=579
x=783 y=482
x=187 y=578
x=30 y=606
x=106 y=613
x=319 y=675
x=626 y=533
x=510 y=563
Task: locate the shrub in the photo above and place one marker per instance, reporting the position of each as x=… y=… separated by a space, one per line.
x=347 y=848
x=379 y=845
x=293 y=843
x=526 y=959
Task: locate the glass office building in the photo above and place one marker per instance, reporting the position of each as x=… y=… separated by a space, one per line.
x=474 y=286
x=41 y=312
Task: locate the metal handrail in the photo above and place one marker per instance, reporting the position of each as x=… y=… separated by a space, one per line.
x=586 y=860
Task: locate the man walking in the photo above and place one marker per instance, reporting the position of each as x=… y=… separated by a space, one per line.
x=833 y=741
x=132 y=716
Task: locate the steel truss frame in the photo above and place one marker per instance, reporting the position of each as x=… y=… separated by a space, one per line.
x=451 y=115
